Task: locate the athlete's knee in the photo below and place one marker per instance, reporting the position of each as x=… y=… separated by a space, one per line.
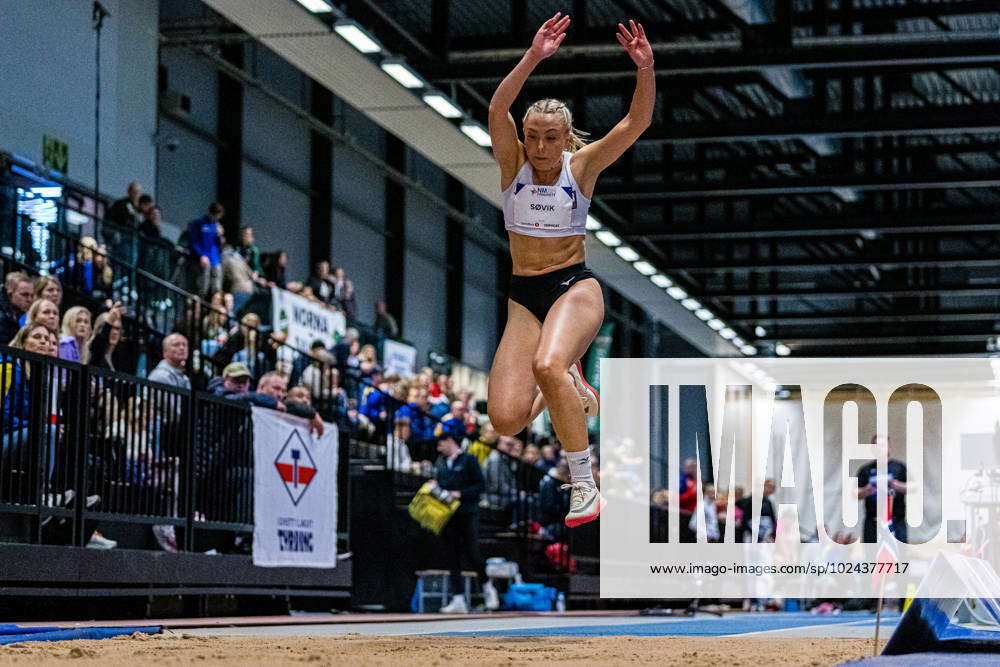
x=505 y=422
x=548 y=368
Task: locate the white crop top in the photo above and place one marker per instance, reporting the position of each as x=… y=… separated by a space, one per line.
x=545 y=210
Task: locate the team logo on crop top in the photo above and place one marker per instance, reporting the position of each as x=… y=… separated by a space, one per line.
x=542 y=191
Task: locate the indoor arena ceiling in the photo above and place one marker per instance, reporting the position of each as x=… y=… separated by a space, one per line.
x=824 y=173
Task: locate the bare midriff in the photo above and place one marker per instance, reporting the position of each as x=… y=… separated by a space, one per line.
x=533 y=256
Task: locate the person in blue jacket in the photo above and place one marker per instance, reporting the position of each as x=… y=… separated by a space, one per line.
x=205 y=238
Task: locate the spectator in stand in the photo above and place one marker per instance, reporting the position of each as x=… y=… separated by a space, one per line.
x=688 y=498
x=453 y=422
x=272 y=391
x=237 y=278
x=318 y=375
x=170 y=370
x=549 y=458
x=249 y=251
x=553 y=501
x=397 y=456
x=17 y=300
x=321 y=282
x=125 y=212
x=710 y=513
x=275 y=264
x=44 y=312
x=48 y=287
x=213 y=327
x=75 y=332
x=768 y=522
x=500 y=473
x=343 y=293
x=385 y=323
x=300 y=395
x=205 y=238
x=531 y=456
x=23 y=397
x=421 y=423
x=485 y=443
x=154 y=250
x=376 y=401
x=458 y=475
x=368 y=363
x=89 y=271
x=105 y=338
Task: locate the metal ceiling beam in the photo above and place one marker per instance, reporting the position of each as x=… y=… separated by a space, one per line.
x=604 y=59
x=744 y=163
x=883 y=263
x=780 y=186
x=855 y=317
x=979 y=118
x=824 y=293
x=883 y=224
x=881 y=340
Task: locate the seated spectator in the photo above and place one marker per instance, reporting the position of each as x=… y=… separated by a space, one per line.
x=500 y=473
x=300 y=394
x=170 y=370
x=250 y=252
x=453 y=422
x=251 y=352
x=553 y=501
x=710 y=513
x=75 y=332
x=318 y=375
x=237 y=278
x=272 y=390
x=44 y=312
x=531 y=456
x=375 y=402
x=205 y=239
x=104 y=339
x=19 y=402
x=49 y=287
x=89 y=270
x=343 y=293
x=321 y=282
x=17 y=300
x=484 y=445
x=397 y=456
x=213 y=329
x=275 y=265
x=549 y=457
x=416 y=411
x=368 y=363
x=385 y=323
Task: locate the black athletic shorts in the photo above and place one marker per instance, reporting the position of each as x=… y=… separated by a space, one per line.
x=538 y=293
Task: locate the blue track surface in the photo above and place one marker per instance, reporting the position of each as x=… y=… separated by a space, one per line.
x=734 y=624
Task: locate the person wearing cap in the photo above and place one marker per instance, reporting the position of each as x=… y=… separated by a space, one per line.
x=272 y=391
x=458 y=474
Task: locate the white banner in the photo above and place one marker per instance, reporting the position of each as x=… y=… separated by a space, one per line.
x=295 y=492
x=305 y=321
x=399 y=358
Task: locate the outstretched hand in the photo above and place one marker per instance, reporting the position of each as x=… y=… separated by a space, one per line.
x=633 y=40
x=550 y=36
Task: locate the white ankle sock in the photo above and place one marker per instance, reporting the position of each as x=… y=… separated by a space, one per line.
x=579 y=466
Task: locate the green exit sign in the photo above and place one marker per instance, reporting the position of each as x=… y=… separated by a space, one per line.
x=55 y=154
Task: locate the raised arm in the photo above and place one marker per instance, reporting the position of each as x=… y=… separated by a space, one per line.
x=592 y=159
x=507 y=148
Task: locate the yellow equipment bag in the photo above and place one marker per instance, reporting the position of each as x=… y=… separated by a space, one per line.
x=430 y=511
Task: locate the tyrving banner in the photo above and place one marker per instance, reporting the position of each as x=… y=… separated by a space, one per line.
x=807 y=478
x=295 y=492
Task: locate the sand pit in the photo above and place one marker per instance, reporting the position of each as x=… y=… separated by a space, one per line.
x=177 y=648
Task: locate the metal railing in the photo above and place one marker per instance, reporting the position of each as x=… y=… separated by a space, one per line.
x=84 y=445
